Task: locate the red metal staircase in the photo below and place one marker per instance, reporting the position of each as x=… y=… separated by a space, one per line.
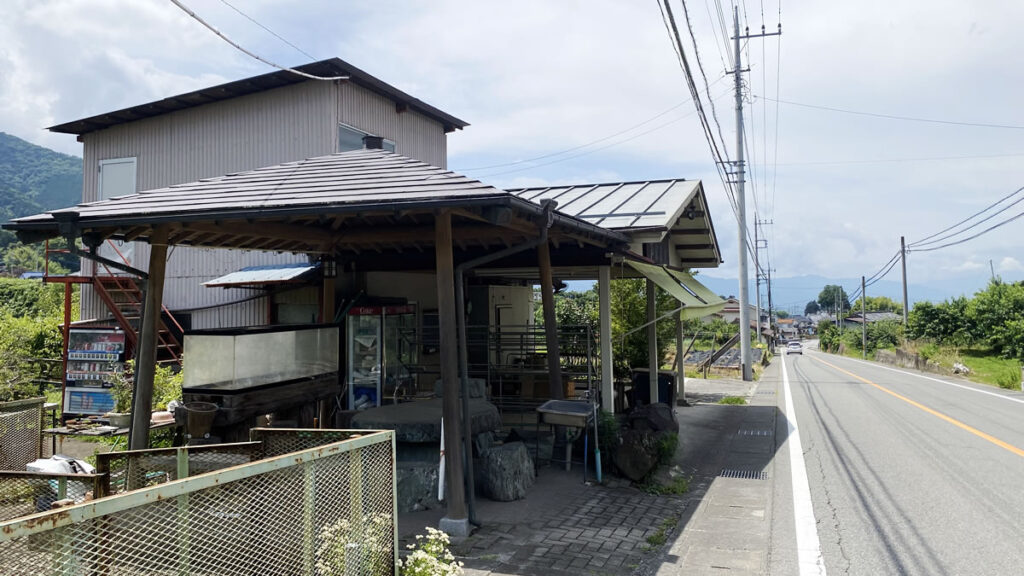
x=124 y=299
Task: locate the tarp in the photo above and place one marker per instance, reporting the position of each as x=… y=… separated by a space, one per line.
x=699 y=300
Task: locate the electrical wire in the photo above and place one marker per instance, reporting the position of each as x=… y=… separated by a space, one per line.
x=275 y=34
x=238 y=47
x=929 y=239
x=972 y=237
x=898 y=117
x=581 y=146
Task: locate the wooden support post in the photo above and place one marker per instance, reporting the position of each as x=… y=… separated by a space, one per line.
x=604 y=281
x=456 y=521
x=142 y=399
x=653 y=357
x=547 y=296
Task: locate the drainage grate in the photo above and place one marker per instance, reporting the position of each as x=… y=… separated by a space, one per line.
x=766 y=392
x=755 y=433
x=744 y=474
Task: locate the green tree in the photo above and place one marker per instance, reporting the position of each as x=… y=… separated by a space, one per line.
x=30 y=317
x=812 y=307
x=998 y=313
x=833 y=298
x=781 y=314
x=878 y=304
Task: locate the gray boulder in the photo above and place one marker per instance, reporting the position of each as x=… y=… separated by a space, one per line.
x=506 y=472
x=654 y=418
x=637 y=454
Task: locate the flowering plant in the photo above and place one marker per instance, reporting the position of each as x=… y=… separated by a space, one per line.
x=430 y=556
x=360 y=547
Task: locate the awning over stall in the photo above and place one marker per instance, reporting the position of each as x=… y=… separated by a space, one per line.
x=699 y=301
x=263 y=275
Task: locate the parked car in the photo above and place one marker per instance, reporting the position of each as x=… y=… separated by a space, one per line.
x=794 y=348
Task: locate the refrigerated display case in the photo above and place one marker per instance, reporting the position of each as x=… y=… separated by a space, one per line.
x=381 y=350
x=95 y=357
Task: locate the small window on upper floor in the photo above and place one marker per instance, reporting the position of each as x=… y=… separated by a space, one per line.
x=350 y=138
x=117 y=178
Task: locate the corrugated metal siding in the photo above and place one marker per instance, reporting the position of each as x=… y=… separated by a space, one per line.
x=281 y=125
x=414 y=135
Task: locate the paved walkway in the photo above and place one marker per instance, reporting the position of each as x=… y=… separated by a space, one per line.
x=565 y=527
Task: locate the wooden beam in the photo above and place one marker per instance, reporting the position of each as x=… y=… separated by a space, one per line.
x=547 y=295
x=454 y=481
x=267 y=230
x=145 y=370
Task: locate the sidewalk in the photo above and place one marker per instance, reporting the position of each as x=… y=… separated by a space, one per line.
x=565 y=527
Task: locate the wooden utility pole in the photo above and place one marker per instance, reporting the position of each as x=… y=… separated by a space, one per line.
x=145 y=370
x=456 y=520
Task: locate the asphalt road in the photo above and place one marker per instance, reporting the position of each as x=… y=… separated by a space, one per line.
x=907 y=475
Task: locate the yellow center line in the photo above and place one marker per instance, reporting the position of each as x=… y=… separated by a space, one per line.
x=953 y=421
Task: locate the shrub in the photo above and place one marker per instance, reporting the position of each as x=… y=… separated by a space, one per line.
x=430 y=556
x=356 y=547
x=666 y=447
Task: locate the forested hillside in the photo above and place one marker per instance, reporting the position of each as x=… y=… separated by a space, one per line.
x=33 y=179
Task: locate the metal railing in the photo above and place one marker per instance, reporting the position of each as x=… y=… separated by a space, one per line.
x=20 y=432
x=24 y=493
x=329 y=509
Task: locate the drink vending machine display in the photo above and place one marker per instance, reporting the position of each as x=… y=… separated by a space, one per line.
x=95 y=357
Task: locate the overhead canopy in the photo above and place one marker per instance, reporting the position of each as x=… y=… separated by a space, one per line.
x=682 y=287
x=669 y=212
x=373 y=208
x=263 y=275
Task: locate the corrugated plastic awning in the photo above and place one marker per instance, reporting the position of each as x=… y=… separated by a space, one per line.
x=699 y=301
x=263 y=275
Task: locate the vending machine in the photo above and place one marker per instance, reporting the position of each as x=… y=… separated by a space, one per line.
x=95 y=357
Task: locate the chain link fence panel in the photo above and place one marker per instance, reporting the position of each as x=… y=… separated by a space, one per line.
x=20 y=432
x=327 y=510
x=24 y=493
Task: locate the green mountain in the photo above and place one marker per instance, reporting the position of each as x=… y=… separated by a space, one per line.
x=33 y=179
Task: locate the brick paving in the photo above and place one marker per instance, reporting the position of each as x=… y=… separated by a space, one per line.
x=599 y=530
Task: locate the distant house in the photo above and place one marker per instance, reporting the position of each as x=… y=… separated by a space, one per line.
x=856 y=320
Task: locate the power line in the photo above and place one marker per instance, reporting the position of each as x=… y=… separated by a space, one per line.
x=897 y=117
x=275 y=34
x=928 y=240
x=897 y=160
x=209 y=26
x=972 y=237
x=588 y=144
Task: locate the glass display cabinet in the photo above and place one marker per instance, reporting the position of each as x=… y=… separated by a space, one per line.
x=381 y=348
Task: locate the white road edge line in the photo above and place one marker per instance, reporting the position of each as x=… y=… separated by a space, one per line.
x=808 y=547
x=969 y=388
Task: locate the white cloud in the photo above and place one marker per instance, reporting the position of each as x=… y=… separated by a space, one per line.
x=1010 y=264
x=536 y=77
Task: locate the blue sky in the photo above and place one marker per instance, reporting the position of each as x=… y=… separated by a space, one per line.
x=537 y=78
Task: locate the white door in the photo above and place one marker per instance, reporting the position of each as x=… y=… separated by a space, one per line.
x=117 y=178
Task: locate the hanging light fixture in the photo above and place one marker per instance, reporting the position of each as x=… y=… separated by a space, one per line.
x=328 y=266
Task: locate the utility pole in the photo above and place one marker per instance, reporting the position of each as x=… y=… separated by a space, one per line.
x=863 y=320
x=903 y=260
x=757 y=277
x=740 y=195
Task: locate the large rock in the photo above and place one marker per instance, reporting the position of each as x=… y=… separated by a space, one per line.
x=654 y=418
x=637 y=454
x=506 y=472
x=417 y=486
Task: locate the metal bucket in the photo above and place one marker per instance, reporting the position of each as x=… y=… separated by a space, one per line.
x=199 y=419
